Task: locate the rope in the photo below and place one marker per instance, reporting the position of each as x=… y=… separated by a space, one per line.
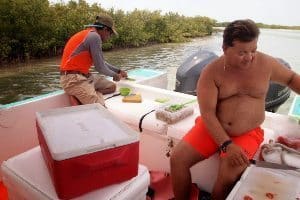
x=142 y=118
x=118 y=94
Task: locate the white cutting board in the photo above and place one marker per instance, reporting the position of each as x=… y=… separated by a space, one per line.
x=256 y=182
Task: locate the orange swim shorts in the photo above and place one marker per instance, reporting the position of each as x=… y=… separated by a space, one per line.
x=200 y=138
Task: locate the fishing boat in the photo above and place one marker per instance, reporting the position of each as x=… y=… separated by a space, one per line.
x=157 y=137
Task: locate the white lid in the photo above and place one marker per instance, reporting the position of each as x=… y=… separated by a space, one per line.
x=78 y=130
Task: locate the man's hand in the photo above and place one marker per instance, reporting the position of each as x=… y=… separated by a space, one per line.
x=123 y=74
x=236 y=155
x=117 y=77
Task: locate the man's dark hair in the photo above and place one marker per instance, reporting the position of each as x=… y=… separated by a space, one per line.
x=240 y=30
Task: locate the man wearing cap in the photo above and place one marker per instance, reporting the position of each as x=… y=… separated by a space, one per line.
x=83 y=50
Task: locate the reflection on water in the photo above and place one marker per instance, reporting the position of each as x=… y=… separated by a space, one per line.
x=40 y=77
x=28 y=81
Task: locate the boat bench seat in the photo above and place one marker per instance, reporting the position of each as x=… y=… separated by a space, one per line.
x=132 y=113
x=157 y=134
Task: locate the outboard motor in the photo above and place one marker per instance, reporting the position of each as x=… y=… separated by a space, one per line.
x=277 y=94
x=188 y=73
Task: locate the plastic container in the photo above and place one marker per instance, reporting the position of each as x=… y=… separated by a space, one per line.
x=26 y=177
x=85 y=148
x=260 y=183
x=124 y=91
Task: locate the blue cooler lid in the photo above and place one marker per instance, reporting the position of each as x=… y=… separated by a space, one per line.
x=295 y=108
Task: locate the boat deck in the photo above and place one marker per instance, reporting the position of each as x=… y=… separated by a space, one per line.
x=16 y=119
x=3 y=192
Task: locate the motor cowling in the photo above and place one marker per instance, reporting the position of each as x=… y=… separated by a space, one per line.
x=188 y=73
x=277 y=94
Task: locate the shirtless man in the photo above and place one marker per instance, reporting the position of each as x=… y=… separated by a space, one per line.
x=231 y=94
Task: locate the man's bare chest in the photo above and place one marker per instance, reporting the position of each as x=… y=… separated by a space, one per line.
x=255 y=87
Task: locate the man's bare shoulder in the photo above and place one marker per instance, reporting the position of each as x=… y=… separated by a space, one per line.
x=264 y=58
x=215 y=65
x=268 y=64
x=212 y=72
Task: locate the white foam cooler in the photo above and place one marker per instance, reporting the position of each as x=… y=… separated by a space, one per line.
x=26 y=177
x=266 y=183
x=85 y=147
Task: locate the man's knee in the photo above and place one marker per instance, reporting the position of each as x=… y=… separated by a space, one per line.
x=178 y=160
x=107 y=90
x=184 y=156
x=113 y=88
x=173 y=159
x=235 y=171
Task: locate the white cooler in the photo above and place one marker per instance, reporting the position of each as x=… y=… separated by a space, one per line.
x=85 y=148
x=265 y=183
x=26 y=177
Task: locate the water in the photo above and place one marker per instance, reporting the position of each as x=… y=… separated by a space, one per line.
x=282 y=44
x=41 y=76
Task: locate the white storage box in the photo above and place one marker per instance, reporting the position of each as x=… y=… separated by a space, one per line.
x=261 y=183
x=85 y=147
x=26 y=177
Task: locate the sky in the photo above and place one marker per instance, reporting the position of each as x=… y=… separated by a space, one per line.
x=279 y=12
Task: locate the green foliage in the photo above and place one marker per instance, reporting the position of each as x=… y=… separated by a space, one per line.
x=261 y=25
x=36 y=28
x=24 y=24
x=273 y=26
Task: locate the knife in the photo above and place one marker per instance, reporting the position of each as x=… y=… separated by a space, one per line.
x=264 y=164
x=114 y=95
x=129 y=79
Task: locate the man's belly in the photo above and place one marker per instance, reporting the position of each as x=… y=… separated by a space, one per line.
x=239 y=114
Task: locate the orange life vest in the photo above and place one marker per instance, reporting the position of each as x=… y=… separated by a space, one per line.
x=78 y=62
